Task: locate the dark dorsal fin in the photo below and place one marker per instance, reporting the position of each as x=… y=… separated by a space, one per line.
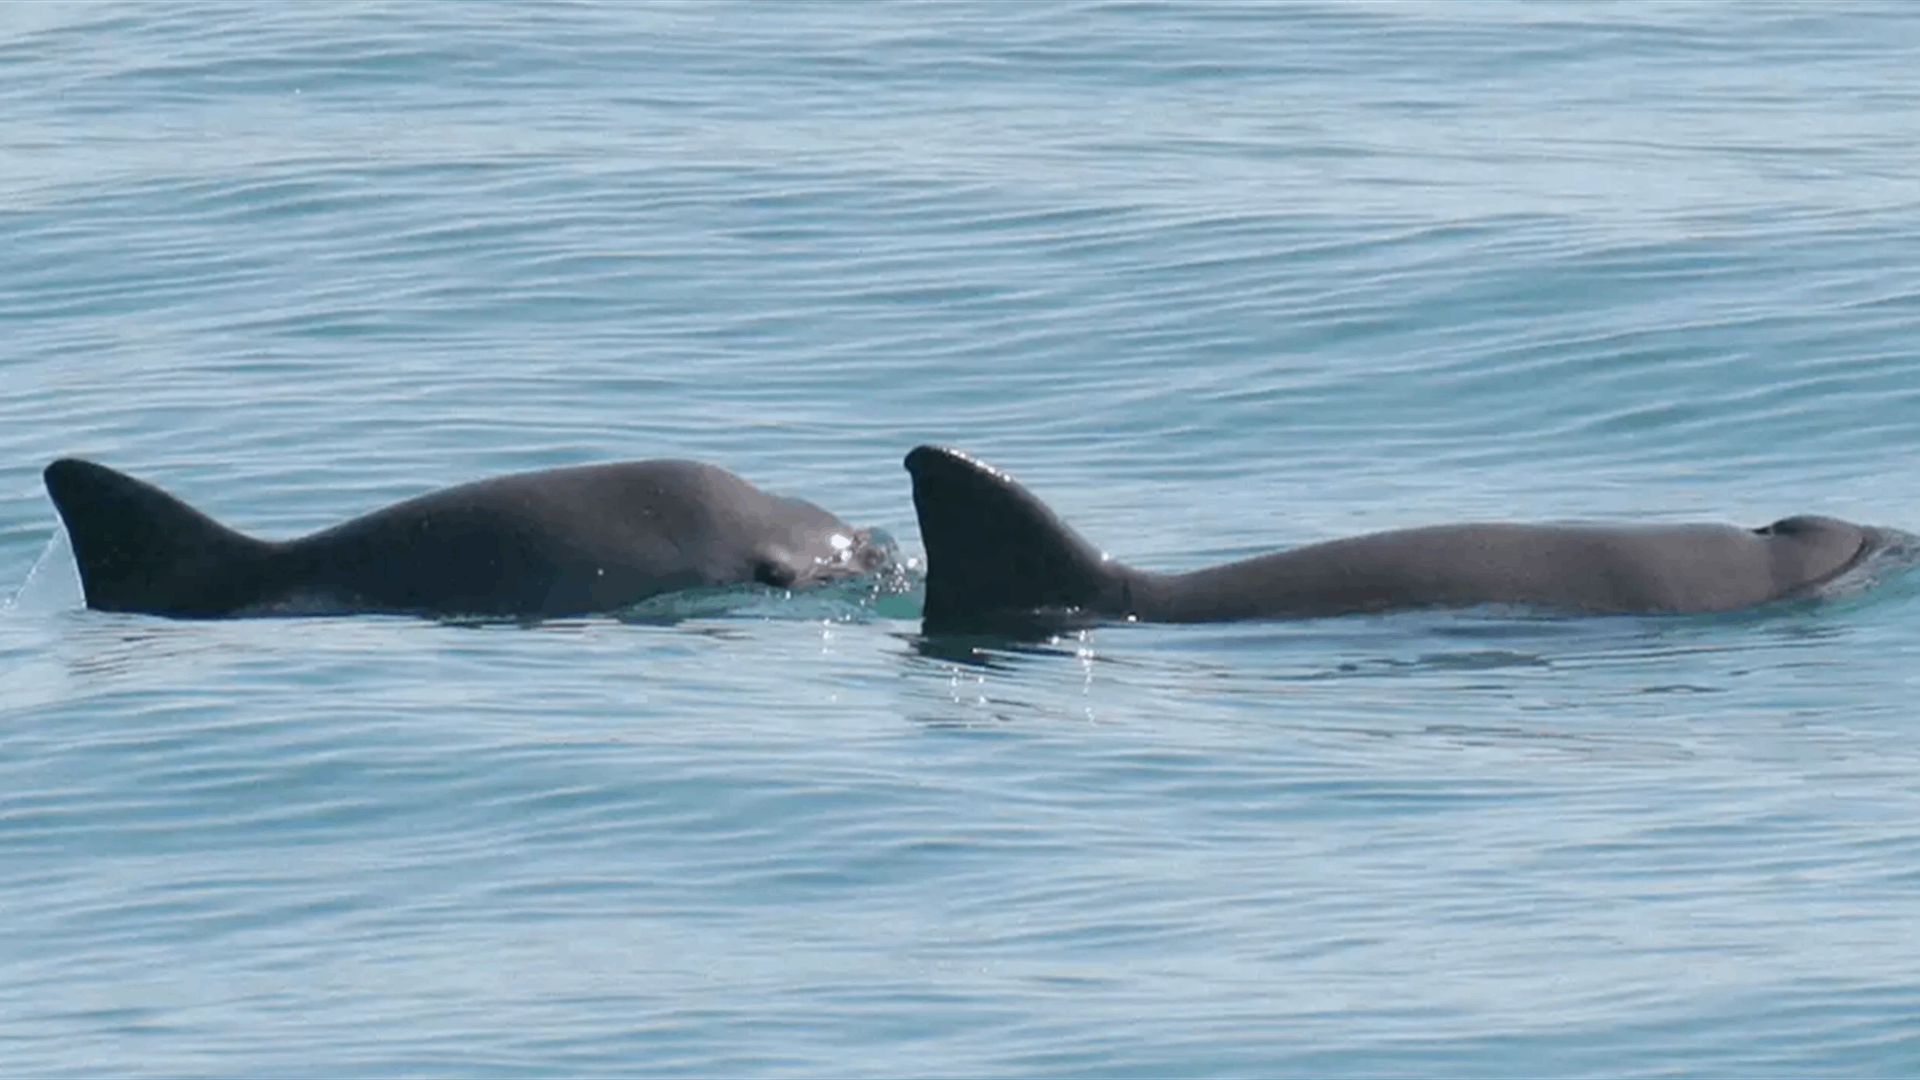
x=141 y=549
x=994 y=552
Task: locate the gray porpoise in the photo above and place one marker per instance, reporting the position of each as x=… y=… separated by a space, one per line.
x=998 y=557
x=559 y=542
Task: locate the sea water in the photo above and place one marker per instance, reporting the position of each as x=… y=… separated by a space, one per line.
x=1211 y=279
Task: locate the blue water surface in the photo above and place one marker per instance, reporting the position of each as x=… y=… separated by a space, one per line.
x=1212 y=279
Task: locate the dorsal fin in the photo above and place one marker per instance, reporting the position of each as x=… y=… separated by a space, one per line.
x=994 y=552
x=141 y=549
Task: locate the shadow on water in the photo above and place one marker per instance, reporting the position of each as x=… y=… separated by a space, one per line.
x=989 y=652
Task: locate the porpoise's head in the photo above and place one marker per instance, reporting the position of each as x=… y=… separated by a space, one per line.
x=1810 y=551
x=814 y=547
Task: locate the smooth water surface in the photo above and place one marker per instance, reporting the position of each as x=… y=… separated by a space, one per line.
x=1212 y=279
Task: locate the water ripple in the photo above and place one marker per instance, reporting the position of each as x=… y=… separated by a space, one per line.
x=1210 y=279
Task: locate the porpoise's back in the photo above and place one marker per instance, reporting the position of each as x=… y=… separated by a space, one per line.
x=562 y=541
x=997 y=555
x=1583 y=568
